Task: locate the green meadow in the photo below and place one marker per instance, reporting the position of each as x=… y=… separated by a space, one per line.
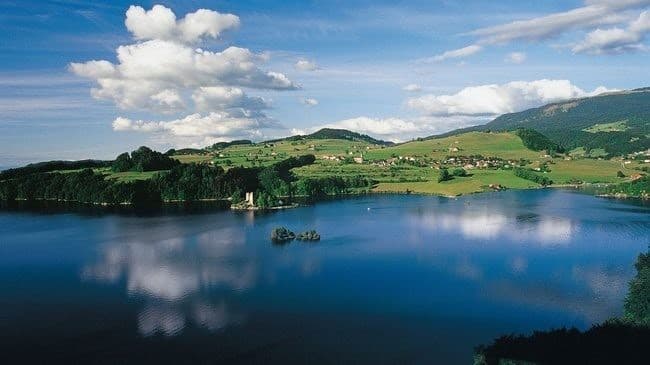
x=421 y=174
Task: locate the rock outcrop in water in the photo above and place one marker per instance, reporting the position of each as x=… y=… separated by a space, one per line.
x=308 y=236
x=282 y=234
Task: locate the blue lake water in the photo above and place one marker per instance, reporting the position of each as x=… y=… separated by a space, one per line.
x=395 y=279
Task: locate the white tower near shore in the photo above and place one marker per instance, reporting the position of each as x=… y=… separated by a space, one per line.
x=249 y=198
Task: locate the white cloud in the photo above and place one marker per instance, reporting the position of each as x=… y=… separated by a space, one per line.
x=616 y=40
x=94 y=69
x=305 y=65
x=210 y=98
x=516 y=57
x=160 y=23
x=412 y=88
x=470 y=106
x=594 y=13
x=169 y=99
x=145 y=69
x=492 y=100
x=213 y=124
x=162 y=72
x=398 y=129
x=309 y=101
x=457 y=53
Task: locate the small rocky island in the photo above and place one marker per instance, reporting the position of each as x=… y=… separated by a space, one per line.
x=308 y=236
x=284 y=235
x=281 y=235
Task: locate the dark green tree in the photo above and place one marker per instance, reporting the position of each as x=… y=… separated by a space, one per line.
x=444 y=175
x=459 y=172
x=637 y=302
x=122 y=163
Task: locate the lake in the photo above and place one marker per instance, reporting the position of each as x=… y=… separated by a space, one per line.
x=394 y=279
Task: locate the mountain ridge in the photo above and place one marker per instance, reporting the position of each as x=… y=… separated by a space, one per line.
x=617 y=122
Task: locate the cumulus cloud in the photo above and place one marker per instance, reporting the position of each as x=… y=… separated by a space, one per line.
x=516 y=57
x=412 y=88
x=457 y=53
x=309 y=101
x=616 y=40
x=163 y=72
x=201 y=126
x=148 y=68
x=470 y=106
x=160 y=23
x=399 y=129
x=305 y=65
x=209 y=98
x=492 y=100
x=594 y=13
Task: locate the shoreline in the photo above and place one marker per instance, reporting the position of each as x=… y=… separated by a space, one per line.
x=171 y=203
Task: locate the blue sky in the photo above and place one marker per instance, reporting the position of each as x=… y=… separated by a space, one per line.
x=394 y=70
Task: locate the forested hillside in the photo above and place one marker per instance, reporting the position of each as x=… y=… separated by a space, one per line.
x=331 y=133
x=606 y=125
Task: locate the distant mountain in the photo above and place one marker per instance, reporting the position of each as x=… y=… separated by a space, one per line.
x=331 y=133
x=613 y=123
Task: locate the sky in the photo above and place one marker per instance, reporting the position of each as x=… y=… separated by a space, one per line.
x=82 y=79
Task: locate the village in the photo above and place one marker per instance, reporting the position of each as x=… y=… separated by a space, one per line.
x=460 y=161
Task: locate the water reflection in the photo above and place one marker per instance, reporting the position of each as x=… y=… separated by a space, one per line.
x=170 y=319
x=483 y=263
x=173 y=276
x=490 y=225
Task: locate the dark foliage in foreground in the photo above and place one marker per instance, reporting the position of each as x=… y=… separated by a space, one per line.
x=617 y=341
x=610 y=343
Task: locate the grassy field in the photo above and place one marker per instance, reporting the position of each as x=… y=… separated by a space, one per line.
x=131 y=175
x=504 y=145
x=264 y=154
x=608 y=127
x=408 y=177
x=588 y=170
x=477 y=182
x=194 y=158
x=119 y=176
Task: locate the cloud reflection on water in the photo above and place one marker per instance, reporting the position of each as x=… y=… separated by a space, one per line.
x=173 y=276
x=491 y=225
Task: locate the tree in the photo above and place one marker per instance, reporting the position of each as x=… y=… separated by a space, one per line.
x=637 y=302
x=444 y=175
x=620 y=173
x=122 y=163
x=459 y=172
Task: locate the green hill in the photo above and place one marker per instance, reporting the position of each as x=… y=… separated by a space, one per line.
x=331 y=133
x=611 y=124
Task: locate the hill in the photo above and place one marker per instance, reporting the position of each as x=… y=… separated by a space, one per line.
x=611 y=124
x=414 y=166
x=331 y=133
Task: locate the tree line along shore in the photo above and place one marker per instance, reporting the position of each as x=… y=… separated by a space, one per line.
x=277 y=172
